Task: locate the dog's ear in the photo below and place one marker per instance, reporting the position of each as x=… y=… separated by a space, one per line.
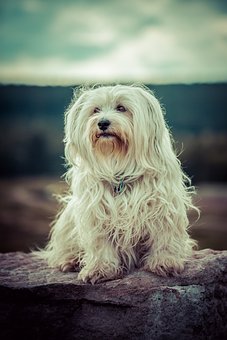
x=149 y=126
x=154 y=143
x=72 y=126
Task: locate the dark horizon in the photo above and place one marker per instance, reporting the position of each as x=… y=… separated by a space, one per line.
x=32 y=119
x=183 y=103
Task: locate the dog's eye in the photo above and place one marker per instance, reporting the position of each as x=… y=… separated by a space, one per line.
x=96 y=110
x=121 y=108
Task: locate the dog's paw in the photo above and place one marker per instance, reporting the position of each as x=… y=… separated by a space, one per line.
x=70 y=266
x=165 y=266
x=97 y=276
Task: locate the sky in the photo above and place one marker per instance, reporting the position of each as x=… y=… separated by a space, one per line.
x=56 y=42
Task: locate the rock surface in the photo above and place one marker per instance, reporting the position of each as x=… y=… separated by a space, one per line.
x=37 y=302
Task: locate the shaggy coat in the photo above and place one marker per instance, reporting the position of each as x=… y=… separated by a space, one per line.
x=128 y=199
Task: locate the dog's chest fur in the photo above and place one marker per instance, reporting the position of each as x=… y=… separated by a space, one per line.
x=127 y=210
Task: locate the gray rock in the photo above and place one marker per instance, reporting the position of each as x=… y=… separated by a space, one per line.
x=41 y=303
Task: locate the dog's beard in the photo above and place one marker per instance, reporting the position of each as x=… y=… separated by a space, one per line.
x=109 y=144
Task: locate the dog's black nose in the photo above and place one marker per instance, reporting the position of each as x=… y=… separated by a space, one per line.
x=104 y=124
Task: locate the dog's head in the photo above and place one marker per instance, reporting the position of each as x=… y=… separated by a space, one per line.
x=119 y=127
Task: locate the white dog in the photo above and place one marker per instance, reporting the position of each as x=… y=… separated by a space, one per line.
x=128 y=200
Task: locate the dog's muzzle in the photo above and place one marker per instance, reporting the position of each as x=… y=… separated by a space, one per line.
x=105 y=131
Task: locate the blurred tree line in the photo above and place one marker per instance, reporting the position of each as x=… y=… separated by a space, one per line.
x=31 y=129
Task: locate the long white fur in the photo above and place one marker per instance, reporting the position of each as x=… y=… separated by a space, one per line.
x=145 y=225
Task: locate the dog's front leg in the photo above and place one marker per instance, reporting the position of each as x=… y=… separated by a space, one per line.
x=101 y=262
x=163 y=263
x=168 y=254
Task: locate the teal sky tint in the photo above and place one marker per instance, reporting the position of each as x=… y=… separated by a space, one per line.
x=71 y=41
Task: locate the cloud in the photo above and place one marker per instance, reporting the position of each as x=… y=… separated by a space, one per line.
x=75 y=41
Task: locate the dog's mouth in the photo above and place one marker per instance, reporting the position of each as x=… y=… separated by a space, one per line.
x=106 y=135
